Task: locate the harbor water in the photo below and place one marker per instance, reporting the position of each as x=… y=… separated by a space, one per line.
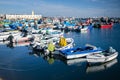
x=20 y=63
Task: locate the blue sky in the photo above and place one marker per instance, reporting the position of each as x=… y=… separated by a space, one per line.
x=75 y=8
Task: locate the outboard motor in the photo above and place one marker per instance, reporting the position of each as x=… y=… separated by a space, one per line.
x=111 y=50
x=10 y=38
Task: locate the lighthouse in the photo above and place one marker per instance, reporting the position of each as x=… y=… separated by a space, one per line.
x=32 y=12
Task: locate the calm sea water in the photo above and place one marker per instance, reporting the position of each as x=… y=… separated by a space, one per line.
x=20 y=64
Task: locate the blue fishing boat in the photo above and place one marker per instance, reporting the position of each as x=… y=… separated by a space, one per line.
x=77 y=52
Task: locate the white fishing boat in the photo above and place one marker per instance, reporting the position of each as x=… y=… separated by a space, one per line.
x=5 y=35
x=48 y=37
x=39 y=38
x=46 y=30
x=103 y=56
x=69 y=42
x=40 y=42
x=21 y=38
x=84 y=29
x=56 y=33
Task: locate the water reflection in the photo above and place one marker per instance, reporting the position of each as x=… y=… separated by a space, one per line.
x=10 y=45
x=7 y=44
x=100 y=67
x=49 y=58
x=74 y=61
x=79 y=61
x=16 y=60
x=13 y=45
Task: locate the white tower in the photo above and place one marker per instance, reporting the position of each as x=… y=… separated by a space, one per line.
x=32 y=12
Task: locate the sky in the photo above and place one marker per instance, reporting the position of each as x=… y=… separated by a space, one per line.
x=65 y=8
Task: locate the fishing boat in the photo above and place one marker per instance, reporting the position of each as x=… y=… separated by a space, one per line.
x=46 y=30
x=103 y=56
x=45 y=38
x=77 y=52
x=85 y=28
x=22 y=38
x=107 y=25
x=40 y=38
x=64 y=43
x=5 y=35
x=42 y=41
x=56 y=33
x=4 y=32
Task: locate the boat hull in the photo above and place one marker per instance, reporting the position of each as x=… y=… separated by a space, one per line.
x=107 y=26
x=79 y=55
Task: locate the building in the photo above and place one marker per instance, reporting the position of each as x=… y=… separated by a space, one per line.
x=16 y=16
x=2 y=16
